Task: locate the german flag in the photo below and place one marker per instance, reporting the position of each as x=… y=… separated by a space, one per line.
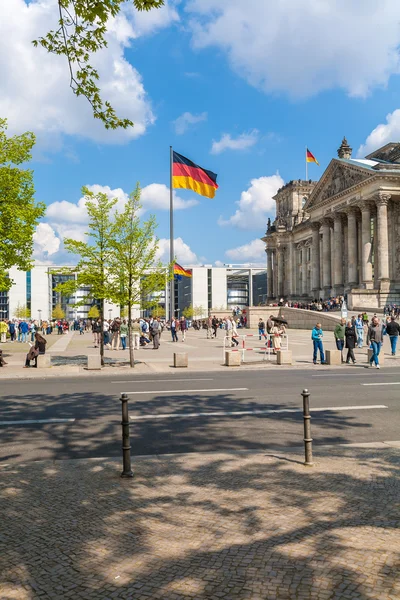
x=178 y=270
x=310 y=157
x=187 y=175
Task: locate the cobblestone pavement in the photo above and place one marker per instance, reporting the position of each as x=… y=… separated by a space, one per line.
x=254 y=526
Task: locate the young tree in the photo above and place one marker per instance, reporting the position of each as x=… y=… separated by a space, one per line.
x=57 y=312
x=21 y=311
x=198 y=311
x=188 y=312
x=93 y=313
x=82 y=29
x=134 y=272
x=19 y=214
x=158 y=311
x=92 y=269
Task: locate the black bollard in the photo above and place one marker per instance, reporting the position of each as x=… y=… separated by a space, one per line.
x=307 y=429
x=126 y=446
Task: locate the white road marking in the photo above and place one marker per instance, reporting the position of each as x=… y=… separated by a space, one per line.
x=172 y=380
x=355 y=373
x=189 y=391
x=383 y=383
x=37 y=421
x=240 y=413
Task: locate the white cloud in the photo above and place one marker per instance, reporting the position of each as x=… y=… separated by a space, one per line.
x=184 y=254
x=382 y=134
x=35 y=85
x=156 y=196
x=46 y=243
x=255 y=203
x=242 y=142
x=302 y=48
x=254 y=251
x=218 y=263
x=183 y=122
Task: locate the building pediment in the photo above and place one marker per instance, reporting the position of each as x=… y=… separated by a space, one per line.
x=337 y=179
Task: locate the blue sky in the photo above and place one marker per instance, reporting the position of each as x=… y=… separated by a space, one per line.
x=238 y=87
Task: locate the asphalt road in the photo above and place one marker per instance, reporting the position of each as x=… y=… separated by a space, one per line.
x=168 y=412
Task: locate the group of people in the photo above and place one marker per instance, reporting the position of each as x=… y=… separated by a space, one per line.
x=334 y=303
x=353 y=333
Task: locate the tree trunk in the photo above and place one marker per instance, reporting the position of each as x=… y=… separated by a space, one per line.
x=131 y=355
x=102 y=333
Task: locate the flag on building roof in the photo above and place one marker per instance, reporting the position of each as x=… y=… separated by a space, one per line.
x=178 y=270
x=187 y=175
x=310 y=157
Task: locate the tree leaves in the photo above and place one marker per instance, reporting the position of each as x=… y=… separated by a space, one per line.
x=19 y=214
x=81 y=32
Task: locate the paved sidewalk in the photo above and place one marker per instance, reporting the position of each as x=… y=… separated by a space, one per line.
x=257 y=526
x=69 y=355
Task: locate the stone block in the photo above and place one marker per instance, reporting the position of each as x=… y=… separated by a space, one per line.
x=381 y=357
x=44 y=361
x=232 y=359
x=93 y=362
x=284 y=357
x=181 y=359
x=334 y=357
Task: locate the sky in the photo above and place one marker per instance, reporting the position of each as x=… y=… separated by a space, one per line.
x=240 y=88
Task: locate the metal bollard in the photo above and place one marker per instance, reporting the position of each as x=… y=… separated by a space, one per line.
x=126 y=446
x=307 y=429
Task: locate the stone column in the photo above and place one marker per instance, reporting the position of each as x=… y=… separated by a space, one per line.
x=304 y=290
x=315 y=260
x=281 y=273
x=366 y=264
x=289 y=270
x=382 y=260
x=270 y=291
x=326 y=257
x=352 y=246
x=275 y=274
x=338 y=254
x=278 y=262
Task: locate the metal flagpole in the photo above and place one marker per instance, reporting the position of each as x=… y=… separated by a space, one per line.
x=306 y=166
x=171 y=240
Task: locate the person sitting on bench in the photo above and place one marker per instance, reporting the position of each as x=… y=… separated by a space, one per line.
x=38 y=348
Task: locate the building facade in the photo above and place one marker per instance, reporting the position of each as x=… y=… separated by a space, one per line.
x=340 y=235
x=218 y=288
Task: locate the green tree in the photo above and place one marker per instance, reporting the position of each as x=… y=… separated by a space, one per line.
x=198 y=311
x=134 y=272
x=93 y=313
x=188 y=312
x=94 y=255
x=19 y=214
x=158 y=311
x=82 y=29
x=57 y=312
x=22 y=312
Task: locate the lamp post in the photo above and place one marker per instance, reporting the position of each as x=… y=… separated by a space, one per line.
x=40 y=316
x=109 y=313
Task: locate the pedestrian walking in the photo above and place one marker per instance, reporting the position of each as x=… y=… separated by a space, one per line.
x=115 y=333
x=155 y=332
x=375 y=338
x=183 y=326
x=351 y=337
x=3 y=331
x=360 y=331
x=339 y=334
x=316 y=335
x=393 y=331
x=174 y=329
x=136 y=334
x=123 y=333
x=261 y=329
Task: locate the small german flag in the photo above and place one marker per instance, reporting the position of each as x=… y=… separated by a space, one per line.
x=187 y=175
x=310 y=157
x=178 y=270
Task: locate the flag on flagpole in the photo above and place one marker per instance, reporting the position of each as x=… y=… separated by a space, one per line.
x=178 y=270
x=187 y=175
x=310 y=157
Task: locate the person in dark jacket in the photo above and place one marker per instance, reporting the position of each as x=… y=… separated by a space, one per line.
x=393 y=330
x=38 y=348
x=351 y=338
